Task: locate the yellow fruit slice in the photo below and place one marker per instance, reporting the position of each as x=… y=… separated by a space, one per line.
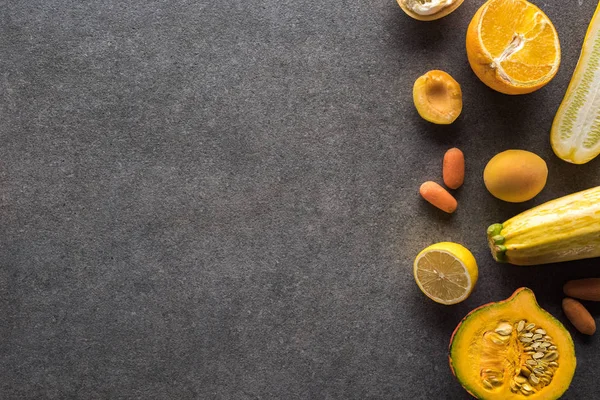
x=512 y=46
x=437 y=97
x=446 y=272
x=575 y=135
x=428 y=10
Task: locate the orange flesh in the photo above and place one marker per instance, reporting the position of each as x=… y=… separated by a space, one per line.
x=518 y=35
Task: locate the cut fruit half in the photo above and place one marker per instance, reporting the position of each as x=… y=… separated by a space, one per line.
x=437 y=97
x=513 y=350
x=512 y=46
x=428 y=10
x=446 y=272
x=575 y=135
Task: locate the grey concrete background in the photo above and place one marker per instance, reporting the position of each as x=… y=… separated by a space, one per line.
x=218 y=200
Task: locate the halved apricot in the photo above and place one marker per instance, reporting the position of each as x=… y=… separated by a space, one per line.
x=437 y=97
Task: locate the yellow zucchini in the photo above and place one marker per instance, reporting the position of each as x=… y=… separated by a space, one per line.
x=575 y=134
x=567 y=228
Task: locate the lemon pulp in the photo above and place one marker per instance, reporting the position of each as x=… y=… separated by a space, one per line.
x=446 y=272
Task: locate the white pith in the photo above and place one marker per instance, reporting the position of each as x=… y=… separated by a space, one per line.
x=430 y=7
x=517 y=43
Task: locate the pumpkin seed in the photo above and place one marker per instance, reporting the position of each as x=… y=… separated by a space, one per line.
x=552 y=348
x=553 y=364
x=538 y=371
x=544 y=344
x=549 y=373
x=548 y=338
x=540 y=331
x=487 y=384
x=534 y=380
x=525 y=371
x=496 y=338
x=533 y=363
x=526 y=340
x=537 y=336
x=538 y=355
x=530 y=348
x=551 y=356
x=520 y=325
x=504 y=329
x=530 y=326
x=527 y=334
x=520 y=379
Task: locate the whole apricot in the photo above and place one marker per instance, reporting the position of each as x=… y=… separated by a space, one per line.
x=515 y=175
x=437 y=97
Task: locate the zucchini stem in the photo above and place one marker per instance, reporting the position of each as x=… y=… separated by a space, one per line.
x=496 y=242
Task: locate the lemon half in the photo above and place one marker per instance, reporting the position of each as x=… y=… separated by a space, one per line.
x=446 y=272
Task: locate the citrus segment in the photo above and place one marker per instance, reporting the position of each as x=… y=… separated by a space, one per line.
x=512 y=46
x=575 y=135
x=446 y=272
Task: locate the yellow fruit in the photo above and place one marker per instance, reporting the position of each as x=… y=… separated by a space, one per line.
x=515 y=175
x=428 y=10
x=512 y=46
x=437 y=97
x=575 y=135
x=446 y=272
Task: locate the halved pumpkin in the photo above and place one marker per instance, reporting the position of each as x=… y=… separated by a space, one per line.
x=512 y=349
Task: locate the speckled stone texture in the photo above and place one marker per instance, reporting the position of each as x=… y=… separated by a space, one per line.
x=219 y=199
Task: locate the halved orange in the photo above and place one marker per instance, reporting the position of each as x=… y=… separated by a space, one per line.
x=512 y=46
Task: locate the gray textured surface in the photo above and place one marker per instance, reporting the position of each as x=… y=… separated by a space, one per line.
x=219 y=200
